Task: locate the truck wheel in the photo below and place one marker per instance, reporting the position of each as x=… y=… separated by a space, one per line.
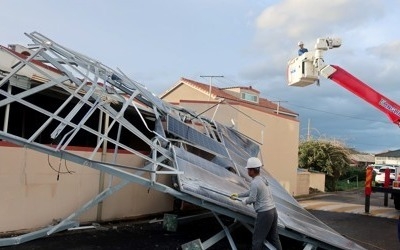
x=396 y=199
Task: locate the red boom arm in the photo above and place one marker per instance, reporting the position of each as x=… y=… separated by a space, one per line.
x=362 y=90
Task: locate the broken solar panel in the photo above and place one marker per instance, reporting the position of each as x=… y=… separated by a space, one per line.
x=206 y=182
x=210 y=181
x=214 y=183
x=191 y=135
x=240 y=140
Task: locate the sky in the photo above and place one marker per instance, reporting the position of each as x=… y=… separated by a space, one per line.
x=248 y=42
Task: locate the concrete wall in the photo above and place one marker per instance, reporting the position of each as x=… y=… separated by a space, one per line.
x=278 y=136
x=279 y=148
x=32 y=197
x=307 y=180
x=184 y=92
x=317 y=181
x=387 y=160
x=303 y=183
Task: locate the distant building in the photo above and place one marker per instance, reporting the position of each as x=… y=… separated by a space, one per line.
x=389 y=157
x=273 y=127
x=361 y=160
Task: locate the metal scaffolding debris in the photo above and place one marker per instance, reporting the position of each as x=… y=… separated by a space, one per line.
x=203 y=158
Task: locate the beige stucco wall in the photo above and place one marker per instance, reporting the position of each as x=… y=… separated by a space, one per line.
x=303 y=183
x=317 y=180
x=387 y=160
x=31 y=195
x=277 y=135
x=184 y=92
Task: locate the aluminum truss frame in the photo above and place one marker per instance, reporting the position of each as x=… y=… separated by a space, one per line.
x=87 y=86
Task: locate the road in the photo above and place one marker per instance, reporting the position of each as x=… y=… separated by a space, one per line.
x=342 y=211
x=351 y=202
x=345 y=213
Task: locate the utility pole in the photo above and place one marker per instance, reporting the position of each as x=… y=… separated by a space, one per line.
x=209 y=90
x=309 y=128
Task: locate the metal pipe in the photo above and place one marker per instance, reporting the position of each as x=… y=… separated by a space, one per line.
x=7 y=112
x=102 y=174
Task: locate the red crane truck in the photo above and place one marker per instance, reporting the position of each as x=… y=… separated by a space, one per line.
x=306 y=69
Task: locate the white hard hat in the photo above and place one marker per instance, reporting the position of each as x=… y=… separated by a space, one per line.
x=300 y=43
x=253 y=162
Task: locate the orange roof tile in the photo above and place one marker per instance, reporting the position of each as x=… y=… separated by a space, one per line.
x=263 y=105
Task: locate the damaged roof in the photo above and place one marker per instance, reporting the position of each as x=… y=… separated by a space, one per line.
x=205 y=160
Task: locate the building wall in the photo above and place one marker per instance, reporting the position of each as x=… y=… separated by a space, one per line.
x=279 y=139
x=387 y=160
x=184 y=92
x=32 y=197
x=303 y=183
x=317 y=181
x=278 y=136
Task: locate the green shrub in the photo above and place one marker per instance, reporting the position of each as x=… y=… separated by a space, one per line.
x=349 y=185
x=352 y=172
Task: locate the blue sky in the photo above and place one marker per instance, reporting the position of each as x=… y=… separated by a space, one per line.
x=249 y=42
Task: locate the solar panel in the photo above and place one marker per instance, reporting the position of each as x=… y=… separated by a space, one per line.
x=190 y=134
x=240 y=140
x=231 y=146
x=214 y=184
x=206 y=182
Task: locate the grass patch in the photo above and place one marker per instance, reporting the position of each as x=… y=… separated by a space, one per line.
x=349 y=185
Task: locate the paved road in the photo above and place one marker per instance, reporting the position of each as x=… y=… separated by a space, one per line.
x=351 y=202
x=345 y=213
x=342 y=211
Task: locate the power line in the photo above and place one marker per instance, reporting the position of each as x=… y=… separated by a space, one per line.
x=368 y=144
x=229 y=83
x=336 y=114
x=219 y=80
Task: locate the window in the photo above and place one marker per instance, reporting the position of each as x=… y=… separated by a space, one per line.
x=249 y=97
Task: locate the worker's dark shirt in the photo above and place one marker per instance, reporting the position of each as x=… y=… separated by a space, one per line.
x=302 y=51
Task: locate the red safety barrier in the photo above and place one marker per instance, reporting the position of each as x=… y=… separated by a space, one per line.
x=368 y=181
x=387 y=178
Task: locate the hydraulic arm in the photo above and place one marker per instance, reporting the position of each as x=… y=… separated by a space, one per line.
x=306 y=69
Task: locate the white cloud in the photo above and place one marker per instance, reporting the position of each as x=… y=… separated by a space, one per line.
x=371 y=47
x=296 y=18
x=249 y=42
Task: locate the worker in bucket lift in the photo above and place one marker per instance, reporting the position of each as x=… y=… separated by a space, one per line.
x=259 y=194
x=302 y=50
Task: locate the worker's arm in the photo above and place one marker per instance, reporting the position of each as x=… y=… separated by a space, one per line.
x=252 y=194
x=244 y=194
x=235 y=196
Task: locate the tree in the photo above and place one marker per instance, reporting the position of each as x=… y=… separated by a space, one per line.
x=330 y=157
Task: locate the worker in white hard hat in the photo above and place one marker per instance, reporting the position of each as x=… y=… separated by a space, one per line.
x=302 y=50
x=259 y=194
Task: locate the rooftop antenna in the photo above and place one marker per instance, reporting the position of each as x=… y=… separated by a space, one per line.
x=209 y=90
x=278 y=104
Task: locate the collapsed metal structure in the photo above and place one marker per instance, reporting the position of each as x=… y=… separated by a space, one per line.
x=204 y=158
